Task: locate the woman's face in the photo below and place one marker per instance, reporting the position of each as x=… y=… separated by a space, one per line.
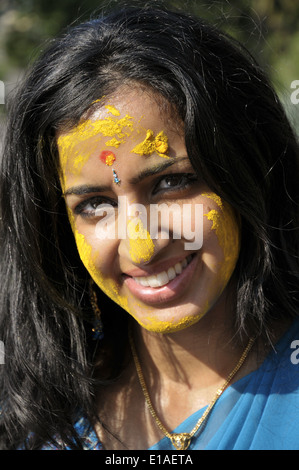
x=151 y=234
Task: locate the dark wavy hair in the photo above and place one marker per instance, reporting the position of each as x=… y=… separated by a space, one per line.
x=238 y=140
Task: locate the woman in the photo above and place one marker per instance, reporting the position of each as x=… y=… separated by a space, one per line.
x=119 y=332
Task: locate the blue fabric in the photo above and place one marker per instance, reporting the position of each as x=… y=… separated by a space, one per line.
x=258 y=412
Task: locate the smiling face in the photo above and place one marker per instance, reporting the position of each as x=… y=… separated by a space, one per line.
x=131 y=151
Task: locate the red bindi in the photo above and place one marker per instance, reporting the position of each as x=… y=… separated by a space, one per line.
x=107 y=157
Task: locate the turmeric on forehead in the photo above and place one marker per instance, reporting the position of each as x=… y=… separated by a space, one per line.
x=112 y=110
x=152 y=144
x=108 y=127
x=111 y=126
x=78 y=145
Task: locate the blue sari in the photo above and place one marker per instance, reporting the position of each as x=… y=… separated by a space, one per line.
x=258 y=412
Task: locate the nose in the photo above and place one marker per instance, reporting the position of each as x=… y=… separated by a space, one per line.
x=140 y=245
x=139 y=248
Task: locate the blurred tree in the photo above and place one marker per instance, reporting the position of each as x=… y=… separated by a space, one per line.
x=29 y=23
x=268 y=28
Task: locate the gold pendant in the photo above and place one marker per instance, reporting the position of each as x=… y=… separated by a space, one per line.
x=181 y=441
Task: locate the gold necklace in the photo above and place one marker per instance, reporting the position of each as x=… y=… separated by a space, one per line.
x=181 y=441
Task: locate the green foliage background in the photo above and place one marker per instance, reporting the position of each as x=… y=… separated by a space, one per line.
x=268 y=28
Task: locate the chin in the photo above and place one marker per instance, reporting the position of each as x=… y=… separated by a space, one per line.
x=171 y=325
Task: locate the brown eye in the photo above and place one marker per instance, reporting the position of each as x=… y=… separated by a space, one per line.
x=174 y=182
x=89 y=207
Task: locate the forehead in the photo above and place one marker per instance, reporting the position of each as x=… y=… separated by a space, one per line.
x=136 y=121
x=127 y=110
x=141 y=103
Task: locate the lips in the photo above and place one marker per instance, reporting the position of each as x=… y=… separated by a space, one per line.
x=165 y=285
x=163 y=278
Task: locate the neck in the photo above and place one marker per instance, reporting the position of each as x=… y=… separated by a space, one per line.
x=209 y=348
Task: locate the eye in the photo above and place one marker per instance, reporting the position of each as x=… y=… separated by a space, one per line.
x=174 y=182
x=90 y=207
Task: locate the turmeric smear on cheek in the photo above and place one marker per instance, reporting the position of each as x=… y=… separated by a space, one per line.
x=228 y=234
x=104 y=283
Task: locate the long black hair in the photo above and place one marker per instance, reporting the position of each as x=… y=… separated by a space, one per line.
x=238 y=140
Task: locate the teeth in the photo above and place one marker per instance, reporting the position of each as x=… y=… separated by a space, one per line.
x=143 y=281
x=171 y=273
x=163 y=278
x=178 y=268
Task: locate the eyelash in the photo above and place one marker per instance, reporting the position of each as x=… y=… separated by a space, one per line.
x=188 y=178
x=80 y=209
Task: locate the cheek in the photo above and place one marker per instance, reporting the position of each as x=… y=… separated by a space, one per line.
x=229 y=240
x=226 y=228
x=91 y=259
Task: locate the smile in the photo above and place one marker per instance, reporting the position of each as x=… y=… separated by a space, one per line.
x=165 y=286
x=163 y=278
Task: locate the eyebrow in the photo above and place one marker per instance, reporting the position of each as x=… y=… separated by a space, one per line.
x=156 y=169
x=87 y=189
